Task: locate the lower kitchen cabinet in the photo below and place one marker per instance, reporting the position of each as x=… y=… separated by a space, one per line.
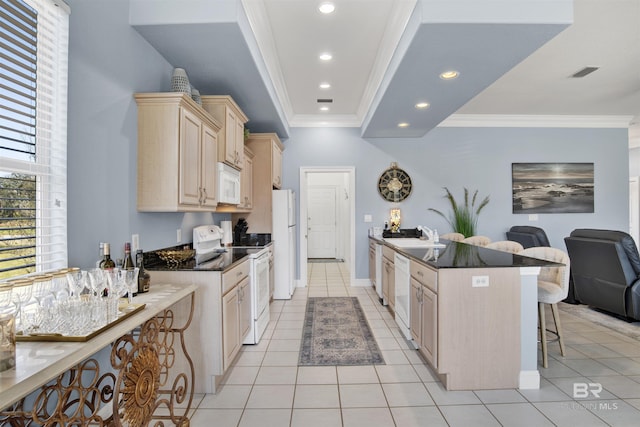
x=467 y=334
x=236 y=310
x=230 y=326
x=429 y=320
x=424 y=311
x=221 y=319
x=388 y=278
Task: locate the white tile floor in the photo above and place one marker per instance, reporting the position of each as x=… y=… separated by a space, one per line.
x=266 y=388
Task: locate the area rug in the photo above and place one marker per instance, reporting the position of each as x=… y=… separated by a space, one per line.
x=630 y=329
x=336 y=332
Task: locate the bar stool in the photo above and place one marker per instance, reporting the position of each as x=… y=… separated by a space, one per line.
x=477 y=240
x=455 y=237
x=506 y=246
x=553 y=287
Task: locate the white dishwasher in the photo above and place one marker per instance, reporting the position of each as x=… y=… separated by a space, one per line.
x=403 y=291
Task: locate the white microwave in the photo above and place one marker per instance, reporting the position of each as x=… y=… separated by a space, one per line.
x=228 y=184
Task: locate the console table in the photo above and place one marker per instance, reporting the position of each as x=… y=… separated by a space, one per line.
x=149 y=375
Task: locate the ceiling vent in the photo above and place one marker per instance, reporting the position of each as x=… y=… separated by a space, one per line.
x=325 y=100
x=584 y=72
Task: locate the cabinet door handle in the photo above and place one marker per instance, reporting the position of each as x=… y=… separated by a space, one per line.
x=204 y=195
x=419 y=273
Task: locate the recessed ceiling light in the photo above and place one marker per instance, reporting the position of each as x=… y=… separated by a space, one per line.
x=403 y=125
x=448 y=75
x=324 y=108
x=325 y=85
x=326 y=7
x=422 y=105
x=325 y=56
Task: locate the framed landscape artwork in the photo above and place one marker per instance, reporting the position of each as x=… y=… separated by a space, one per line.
x=552 y=187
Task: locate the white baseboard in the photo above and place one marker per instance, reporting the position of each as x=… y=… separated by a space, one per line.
x=529 y=380
x=361 y=283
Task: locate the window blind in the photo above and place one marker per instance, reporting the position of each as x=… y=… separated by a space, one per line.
x=33 y=116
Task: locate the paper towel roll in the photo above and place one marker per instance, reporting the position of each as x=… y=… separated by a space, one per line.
x=227 y=234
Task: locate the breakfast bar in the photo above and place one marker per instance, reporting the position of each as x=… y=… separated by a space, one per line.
x=472 y=311
x=149 y=374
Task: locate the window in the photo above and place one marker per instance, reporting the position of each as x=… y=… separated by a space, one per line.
x=33 y=116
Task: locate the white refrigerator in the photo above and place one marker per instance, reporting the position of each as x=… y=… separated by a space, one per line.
x=283 y=235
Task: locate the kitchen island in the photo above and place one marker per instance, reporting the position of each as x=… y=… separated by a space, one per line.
x=56 y=377
x=473 y=314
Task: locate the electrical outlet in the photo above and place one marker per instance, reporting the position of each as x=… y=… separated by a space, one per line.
x=368 y=218
x=179 y=235
x=479 y=281
x=135 y=243
x=533 y=217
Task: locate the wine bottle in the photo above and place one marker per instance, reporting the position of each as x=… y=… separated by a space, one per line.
x=101 y=254
x=143 y=277
x=107 y=263
x=128 y=262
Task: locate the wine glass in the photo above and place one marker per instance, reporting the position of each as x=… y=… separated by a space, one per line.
x=42 y=288
x=97 y=281
x=59 y=288
x=77 y=280
x=20 y=296
x=6 y=303
x=131 y=280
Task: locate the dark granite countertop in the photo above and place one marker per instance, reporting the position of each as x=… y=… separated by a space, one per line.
x=463 y=255
x=224 y=261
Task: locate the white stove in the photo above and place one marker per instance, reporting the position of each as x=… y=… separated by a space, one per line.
x=207 y=244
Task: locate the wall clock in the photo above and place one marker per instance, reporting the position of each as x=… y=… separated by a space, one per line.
x=394 y=184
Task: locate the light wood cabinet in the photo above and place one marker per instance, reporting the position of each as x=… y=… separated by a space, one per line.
x=429 y=347
x=372 y=263
x=388 y=278
x=231 y=140
x=177 y=154
x=468 y=334
x=276 y=165
x=424 y=311
x=246 y=181
x=415 y=313
x=230 y=326
x=236 y=310
x=267 y=168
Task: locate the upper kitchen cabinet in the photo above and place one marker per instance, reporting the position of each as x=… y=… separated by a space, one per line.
x=267 y=175
x=276 y=162
x=231 y=139
x=177 y=154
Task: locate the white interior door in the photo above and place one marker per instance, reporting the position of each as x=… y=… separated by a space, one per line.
x=321 y=222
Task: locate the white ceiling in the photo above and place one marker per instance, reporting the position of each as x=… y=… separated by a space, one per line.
x=515 y=58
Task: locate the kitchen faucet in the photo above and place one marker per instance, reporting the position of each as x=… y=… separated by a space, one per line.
x=429 y=233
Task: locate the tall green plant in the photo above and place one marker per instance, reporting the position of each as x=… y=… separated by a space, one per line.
x=463 y=217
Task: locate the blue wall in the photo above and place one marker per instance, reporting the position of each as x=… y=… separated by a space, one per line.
x=109 y=61
x=476 y=158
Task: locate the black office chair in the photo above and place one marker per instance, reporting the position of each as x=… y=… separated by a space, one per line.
x=528 y=236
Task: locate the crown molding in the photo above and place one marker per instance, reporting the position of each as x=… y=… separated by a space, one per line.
x=312 y=120
x=537 y=121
